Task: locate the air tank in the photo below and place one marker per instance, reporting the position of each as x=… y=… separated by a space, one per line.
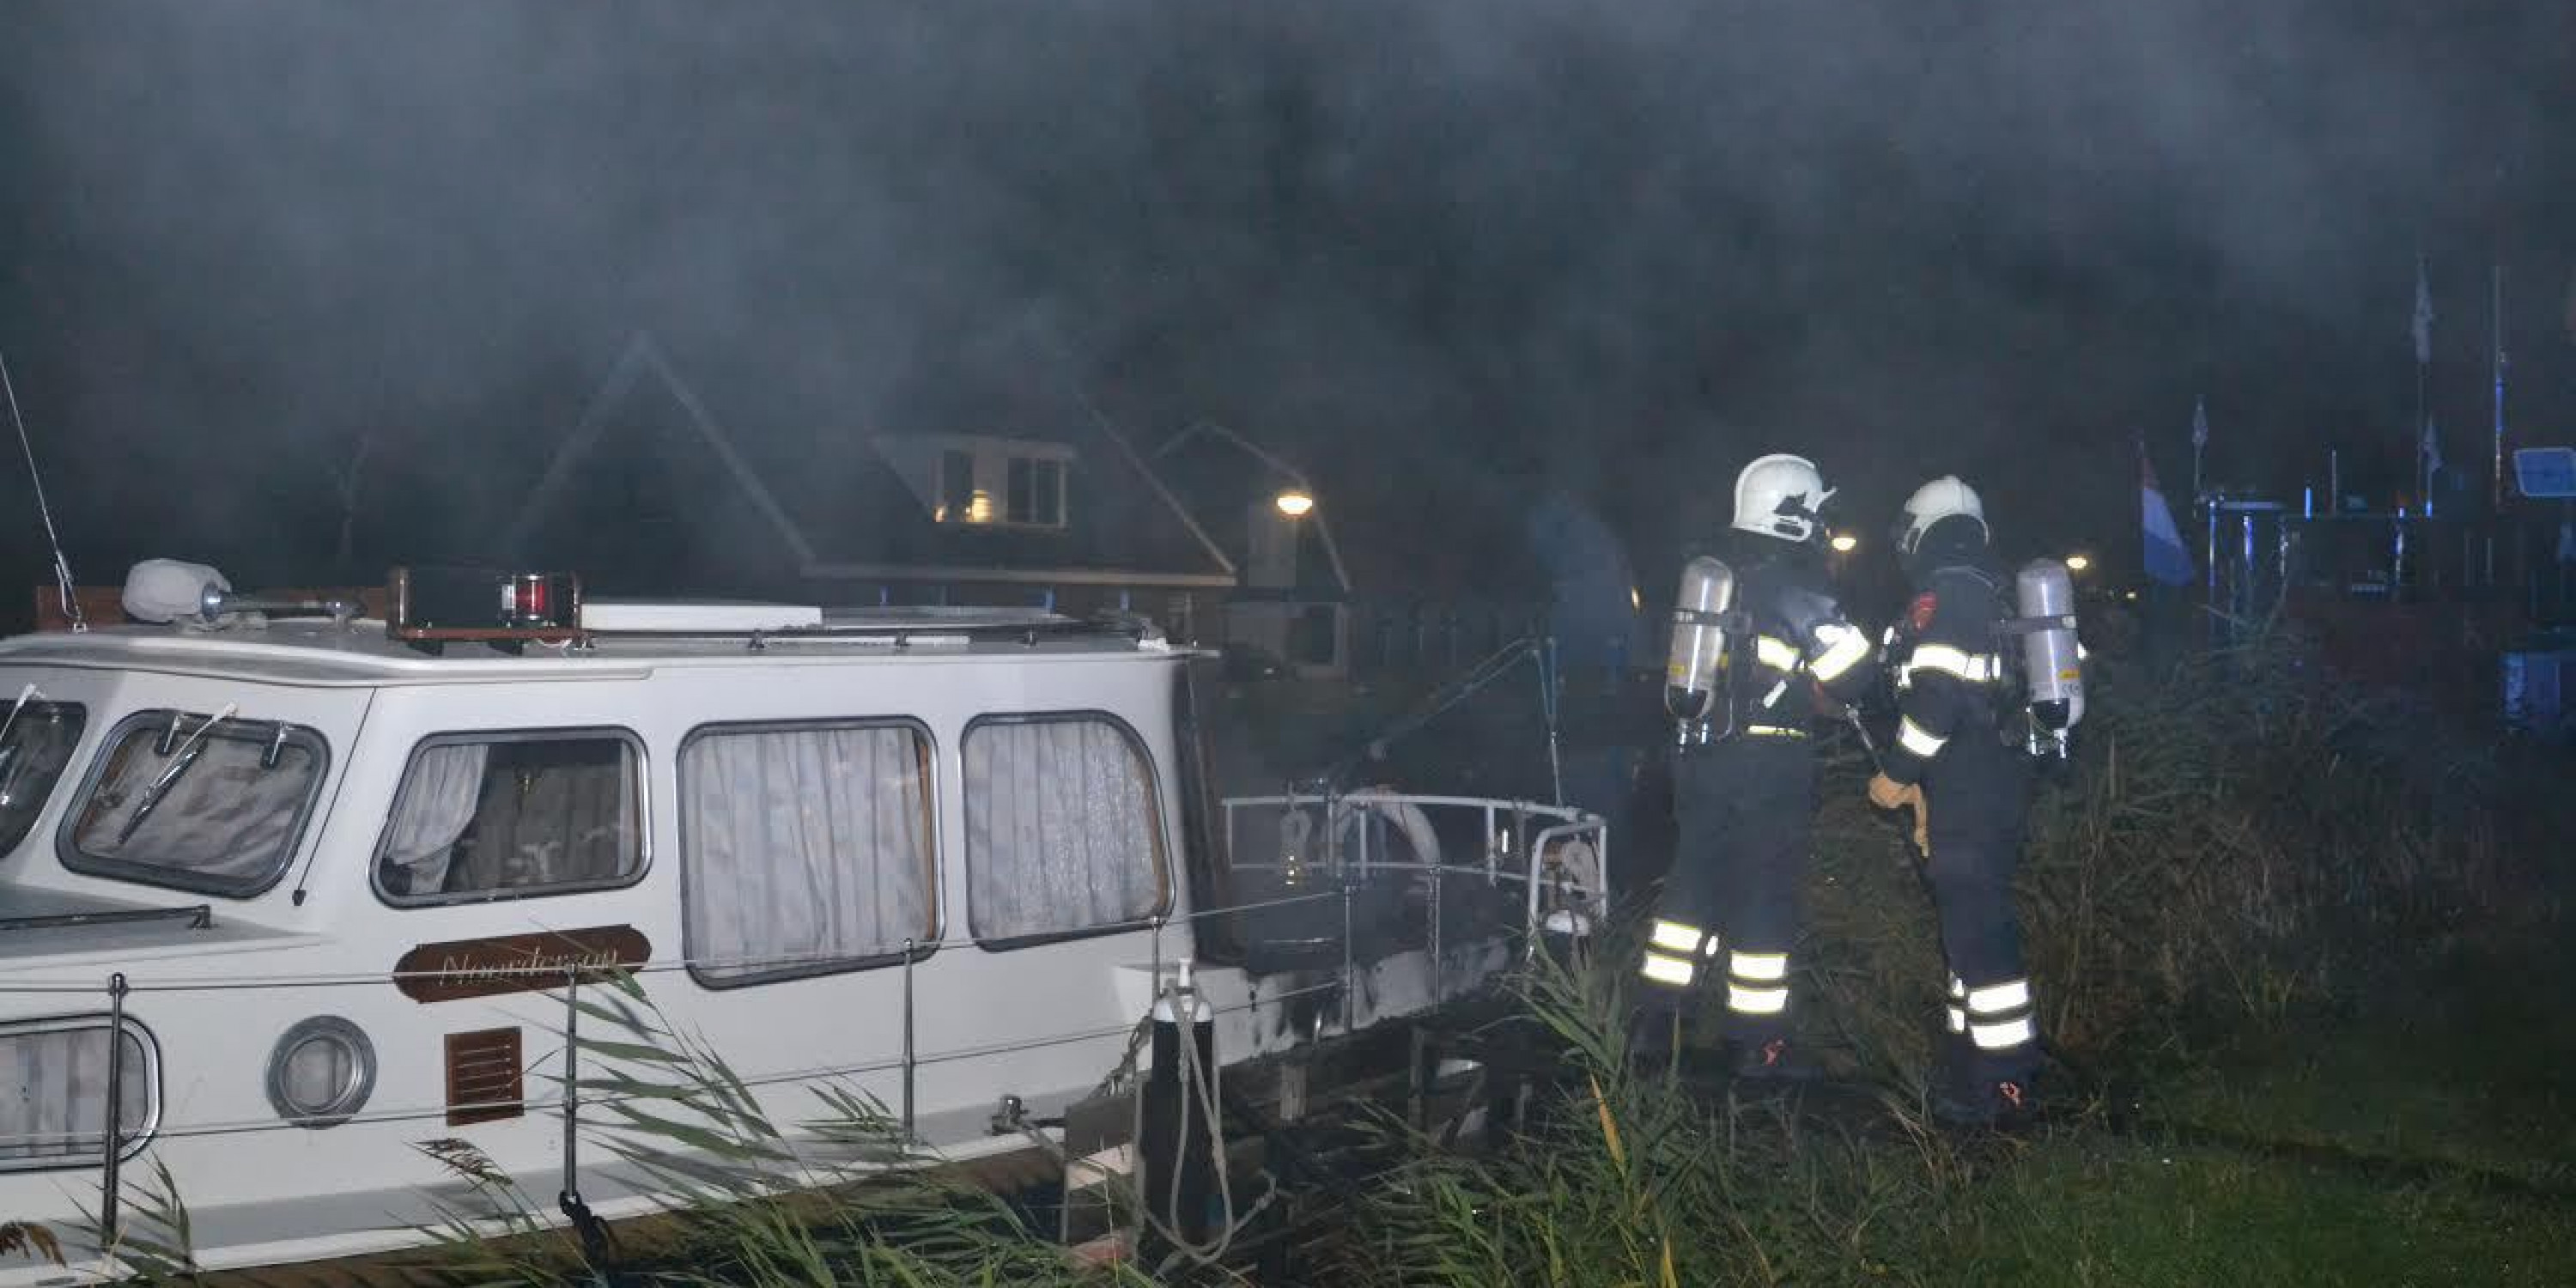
x=1699 y=638
x=2052 y=664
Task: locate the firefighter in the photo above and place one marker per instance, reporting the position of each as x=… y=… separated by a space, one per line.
x=1744 y=771
x=1953 y=766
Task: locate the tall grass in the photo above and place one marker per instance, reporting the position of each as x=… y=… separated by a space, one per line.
x=2241 y=837
x=756 y=1202
x=2240 y=840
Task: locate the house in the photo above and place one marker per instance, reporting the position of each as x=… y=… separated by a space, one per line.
x=651 y=491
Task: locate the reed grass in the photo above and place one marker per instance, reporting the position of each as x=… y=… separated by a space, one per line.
x=2243 y=844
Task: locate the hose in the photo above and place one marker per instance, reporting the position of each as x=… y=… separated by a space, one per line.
x=1204 y=1102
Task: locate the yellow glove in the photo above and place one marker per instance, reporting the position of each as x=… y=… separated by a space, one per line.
x=1887 y=793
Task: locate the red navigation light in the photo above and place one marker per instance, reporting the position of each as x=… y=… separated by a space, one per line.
x=532 y=595
x=499 y=607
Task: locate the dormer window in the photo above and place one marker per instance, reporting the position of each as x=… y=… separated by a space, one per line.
x=975 y=481
x=1000 y=482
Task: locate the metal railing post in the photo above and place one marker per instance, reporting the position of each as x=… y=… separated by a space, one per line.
x=908 y=1054
x=1350 y=985
x=572 y=1088
x=113 y=1142
x=1439 y=973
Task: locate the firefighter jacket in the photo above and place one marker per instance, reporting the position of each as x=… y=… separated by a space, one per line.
x=1794 y=641
x=1943 y=657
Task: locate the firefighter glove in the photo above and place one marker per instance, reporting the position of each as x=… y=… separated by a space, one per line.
x=1887 y=793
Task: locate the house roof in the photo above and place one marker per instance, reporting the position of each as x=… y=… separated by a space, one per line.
x=835 y=507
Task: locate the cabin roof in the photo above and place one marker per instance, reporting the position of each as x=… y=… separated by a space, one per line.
x=313 y=652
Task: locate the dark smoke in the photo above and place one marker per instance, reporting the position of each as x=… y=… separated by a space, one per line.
x=1434 y=251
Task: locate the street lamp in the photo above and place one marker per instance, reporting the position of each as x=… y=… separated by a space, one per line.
x=1844 y=543
x=2078 y=563
x=1295 y=501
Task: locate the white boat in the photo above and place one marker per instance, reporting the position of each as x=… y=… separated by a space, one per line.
x=332 y=874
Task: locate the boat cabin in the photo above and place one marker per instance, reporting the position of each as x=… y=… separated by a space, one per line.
x=329 y=877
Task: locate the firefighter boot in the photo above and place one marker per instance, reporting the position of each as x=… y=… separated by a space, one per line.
x=1969 y=1092
x=1773 y=1059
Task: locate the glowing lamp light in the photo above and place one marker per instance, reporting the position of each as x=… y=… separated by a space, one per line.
x=979 y=507
x=1294 y=504
x=2078 y=563
x=1844 y=543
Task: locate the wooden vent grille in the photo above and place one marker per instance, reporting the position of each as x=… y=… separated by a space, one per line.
x=483 y=1076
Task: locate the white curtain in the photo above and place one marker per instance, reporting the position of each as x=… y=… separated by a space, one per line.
x=1060 y=829
x=438 y=800
x=53 y=1093
x=226 y=816
x=804 y=847
x=561 y=813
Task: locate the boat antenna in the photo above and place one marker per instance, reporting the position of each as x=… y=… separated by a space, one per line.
x=62 y=566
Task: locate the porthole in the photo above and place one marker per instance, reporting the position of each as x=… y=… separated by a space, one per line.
x=321 y=1072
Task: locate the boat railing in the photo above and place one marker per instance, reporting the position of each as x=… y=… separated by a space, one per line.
x=1558 y=854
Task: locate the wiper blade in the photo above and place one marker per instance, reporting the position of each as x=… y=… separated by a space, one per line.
x=169 y=777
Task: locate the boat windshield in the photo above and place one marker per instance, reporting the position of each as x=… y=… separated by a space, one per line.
x=211 y=803
x=36 y=741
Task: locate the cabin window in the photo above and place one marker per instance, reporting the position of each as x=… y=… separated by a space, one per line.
x=1063 y=833
x=508 y=815
x=57 y=1114
x=198 y=803
x=806 y=848
x=36 y=743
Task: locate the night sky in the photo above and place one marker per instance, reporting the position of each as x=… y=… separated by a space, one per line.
x=1433 y=252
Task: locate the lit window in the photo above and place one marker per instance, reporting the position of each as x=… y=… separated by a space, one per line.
x=805 y=849
x=508 y=815
x=1063 y=834
x=1031 y=491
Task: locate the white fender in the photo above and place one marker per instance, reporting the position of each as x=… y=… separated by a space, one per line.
x=1407 y=817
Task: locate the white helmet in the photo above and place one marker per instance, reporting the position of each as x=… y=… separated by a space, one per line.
x=1933 y=502
x=1781 y=496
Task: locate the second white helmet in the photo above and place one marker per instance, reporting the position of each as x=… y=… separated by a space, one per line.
x=1781 y=496
x=1934 y=501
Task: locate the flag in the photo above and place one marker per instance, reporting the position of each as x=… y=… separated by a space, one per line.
x=2423 y=315
x=2167 y=560
x=2200 y=423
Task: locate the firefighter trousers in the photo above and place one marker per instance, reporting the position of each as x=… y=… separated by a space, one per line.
x=1977 y=793
x=1733 y=903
